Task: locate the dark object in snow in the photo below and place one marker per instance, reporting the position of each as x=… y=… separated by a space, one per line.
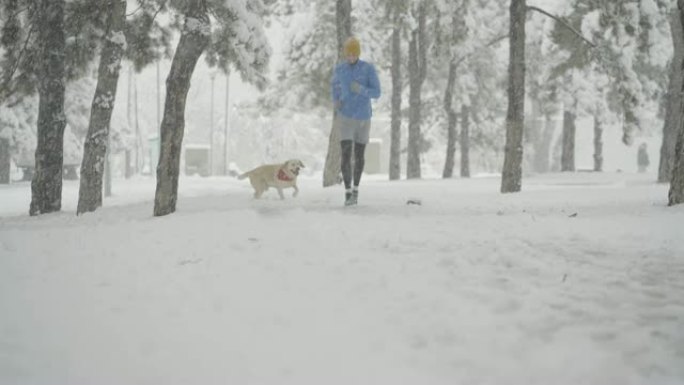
x=573 y=215
x=190 y=261
x=414 y=202
x=565 y=276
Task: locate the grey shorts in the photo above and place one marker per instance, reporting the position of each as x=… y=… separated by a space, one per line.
x=353 y=129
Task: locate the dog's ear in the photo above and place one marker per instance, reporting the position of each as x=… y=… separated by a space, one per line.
x=301 y=164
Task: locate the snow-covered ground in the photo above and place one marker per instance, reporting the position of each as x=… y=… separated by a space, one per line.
x=579 y=279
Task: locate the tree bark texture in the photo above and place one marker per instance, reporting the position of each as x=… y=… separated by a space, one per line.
x=395 y=139
x=193 y=41
x=673 y=111
x=46 y=185
x=568 y=147
x=451 y=123
x=5 y=161
x=97 y=138
x=511 y=176
x=465 y=141
x=598 y=143
x=417 y=62
x=333 y=160
x=676 y=193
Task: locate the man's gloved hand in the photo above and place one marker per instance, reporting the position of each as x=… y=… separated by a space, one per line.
x=356 y=87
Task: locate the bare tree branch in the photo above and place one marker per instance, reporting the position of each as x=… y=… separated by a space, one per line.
x=163 y=4
x=563 y=22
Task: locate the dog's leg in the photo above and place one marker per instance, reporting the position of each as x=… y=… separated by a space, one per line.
x=280 y=192
x=296 y=191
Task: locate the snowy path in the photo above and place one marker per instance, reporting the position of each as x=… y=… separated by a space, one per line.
x=471 y=287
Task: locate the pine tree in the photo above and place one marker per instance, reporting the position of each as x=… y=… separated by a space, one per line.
x=511 y=176
x=397 y=9
x=417 y=71
x=227 y=45
x=93 y=164
x=676 y=193
x=673 y=113
x=193 y=41
x=46 y=186
x=458 y=31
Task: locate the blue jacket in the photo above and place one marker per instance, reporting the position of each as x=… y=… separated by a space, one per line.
x=355 y=105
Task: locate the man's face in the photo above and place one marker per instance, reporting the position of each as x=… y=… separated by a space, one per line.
x=351 y=59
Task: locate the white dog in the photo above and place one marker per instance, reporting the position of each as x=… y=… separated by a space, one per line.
x=280 y=176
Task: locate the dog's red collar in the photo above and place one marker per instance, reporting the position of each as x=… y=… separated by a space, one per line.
x=283 y=176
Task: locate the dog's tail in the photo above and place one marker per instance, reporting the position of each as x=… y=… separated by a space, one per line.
x=243 y=176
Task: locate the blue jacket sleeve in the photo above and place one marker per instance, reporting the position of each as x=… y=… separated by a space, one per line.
x=373 y=89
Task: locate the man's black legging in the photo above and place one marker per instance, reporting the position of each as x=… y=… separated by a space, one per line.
x=359 y=160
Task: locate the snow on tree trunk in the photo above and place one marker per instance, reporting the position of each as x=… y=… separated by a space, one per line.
x=5 y=161
x=673 y=109
x=598 y=143
x=95 y=148
x=451 y=123
x=465 y=141
x=417 y=62
x=193 y=41
x=46 y=185
x=511 y=176
x=568 y=147
x=333 y=160
x=395 y=140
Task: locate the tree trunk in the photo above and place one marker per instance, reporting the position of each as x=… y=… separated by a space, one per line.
x=128 y=171
x=333 y=160
x=673 y=113
x=46 y=185
x=542 y=151
x=138 y=133
x=108 y=172
x=532 y=137
x=568 y=149
x=212 y=76
x=395 y=144
x=225 y=126
x=416 y=65
x=598 y=143
x=194 y=39
x=511 y=176
x=676 y=193
x=5 y=161
x=465 y=141
x=451 y=123
x=95 y=148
